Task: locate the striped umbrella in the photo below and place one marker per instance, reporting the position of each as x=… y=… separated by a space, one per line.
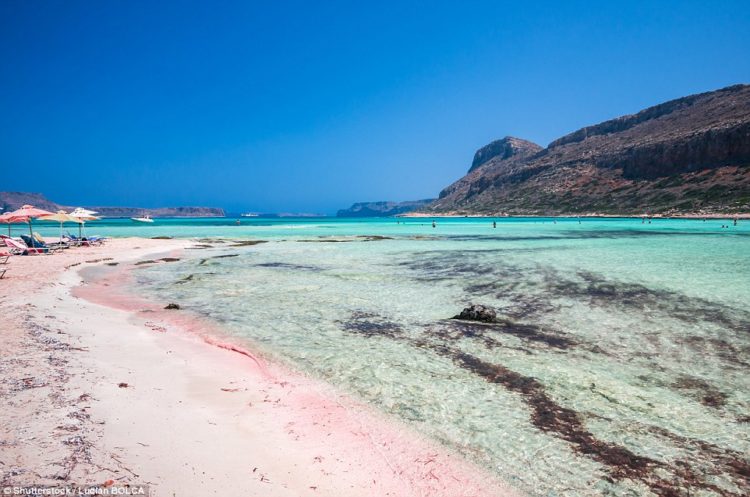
x=25 y=214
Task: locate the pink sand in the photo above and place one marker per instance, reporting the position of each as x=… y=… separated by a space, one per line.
x=203 y=414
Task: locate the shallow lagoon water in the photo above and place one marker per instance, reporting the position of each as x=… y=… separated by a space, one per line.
x=620 y=368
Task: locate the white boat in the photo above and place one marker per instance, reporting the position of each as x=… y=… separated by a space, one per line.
x=144 y=219
x=249 y=214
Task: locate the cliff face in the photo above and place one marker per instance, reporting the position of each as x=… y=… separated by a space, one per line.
x=503 y=149
x=382 y=209
x=687 y=155
x=10 y=201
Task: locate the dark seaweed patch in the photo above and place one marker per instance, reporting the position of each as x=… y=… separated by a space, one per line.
x=703 y=391
x=489 y=333
x=328 y=240
x=599 y=291
x=537 y=290
x=716 y=460
x=286 y=265
x=371 y=325
x=548 y=416
x=246 y=243
x=357 y=238
x=223 y=256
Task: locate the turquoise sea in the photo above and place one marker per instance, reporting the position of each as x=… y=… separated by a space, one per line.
x=620 y=365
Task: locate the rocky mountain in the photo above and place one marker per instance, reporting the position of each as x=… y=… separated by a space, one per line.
x=689 y=155
x=383 y=209
x=10 y=201
x=503 y=149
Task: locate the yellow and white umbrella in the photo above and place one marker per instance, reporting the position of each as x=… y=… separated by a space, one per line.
x=61 y=217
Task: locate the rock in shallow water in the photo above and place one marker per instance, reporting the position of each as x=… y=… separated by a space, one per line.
x=476 y=312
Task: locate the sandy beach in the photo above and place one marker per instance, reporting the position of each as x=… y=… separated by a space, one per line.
x=102 y=388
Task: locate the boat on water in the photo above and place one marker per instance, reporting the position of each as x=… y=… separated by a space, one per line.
x=249 y=214
x=144 y=219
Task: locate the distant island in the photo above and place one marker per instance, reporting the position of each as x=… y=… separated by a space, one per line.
x=689 y=156
x=10 y=201
x=383 y=208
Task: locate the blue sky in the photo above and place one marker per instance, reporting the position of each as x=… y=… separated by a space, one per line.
x=310 y=106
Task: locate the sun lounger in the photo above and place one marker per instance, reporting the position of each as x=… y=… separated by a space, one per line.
x=39 y=241
x=86 y=240
x=4 y=256
x=2 y=272
x=32 y=243
x=20 y=248
x=75 y=241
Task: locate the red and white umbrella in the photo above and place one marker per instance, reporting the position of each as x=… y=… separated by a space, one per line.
x=27 y=213
x=6 y=218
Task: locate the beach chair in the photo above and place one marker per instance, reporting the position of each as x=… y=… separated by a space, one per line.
x=39 y=242
x=20 y=248
x=75 y=241
x=2 y=272
x=86 y=240
x=99 y=240
x=4 y=257
x=36 y=244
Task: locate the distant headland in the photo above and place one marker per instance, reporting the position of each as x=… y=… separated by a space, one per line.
x=13 y=200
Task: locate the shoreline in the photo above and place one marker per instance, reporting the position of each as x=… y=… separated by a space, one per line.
x=140 y=396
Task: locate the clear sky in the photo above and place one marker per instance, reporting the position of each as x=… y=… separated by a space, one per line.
x=310 y=106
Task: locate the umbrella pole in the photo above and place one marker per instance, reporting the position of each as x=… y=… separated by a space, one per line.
x=60 y=232
x=79 y=230
x=31 y=235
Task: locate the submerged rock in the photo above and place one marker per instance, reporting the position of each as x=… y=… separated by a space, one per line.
x=476 y=312
x=172 y=306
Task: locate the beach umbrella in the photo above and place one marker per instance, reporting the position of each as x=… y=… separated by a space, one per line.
x=6 y=218
x=27 y=213
x=83 y=215
x=61 y=217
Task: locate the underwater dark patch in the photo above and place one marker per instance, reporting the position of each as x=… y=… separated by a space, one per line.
x=371 y=325
x=489 y=333
x=222 y=256
x=286 y=265
x=246 y=243
x=633 y=296
x=701 y=390
x=566 y=424
x=549 y=416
